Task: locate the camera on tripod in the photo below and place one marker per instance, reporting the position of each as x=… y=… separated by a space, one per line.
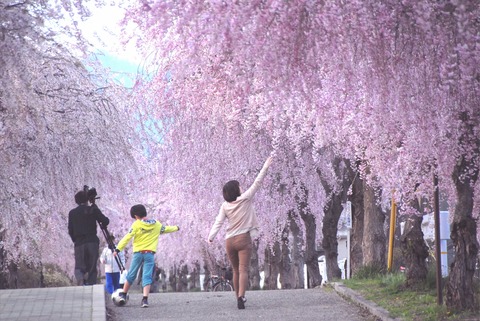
x=91 y=194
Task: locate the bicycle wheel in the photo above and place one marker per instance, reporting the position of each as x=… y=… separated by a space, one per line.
x=222 y=286
x=212 y=281
x=208 y=287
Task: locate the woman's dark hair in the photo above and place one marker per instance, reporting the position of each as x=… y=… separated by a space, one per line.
x=231 y=190
x=138 y=210
x=81 y=197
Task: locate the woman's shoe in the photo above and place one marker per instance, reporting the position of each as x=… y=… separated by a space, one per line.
x=241 y=302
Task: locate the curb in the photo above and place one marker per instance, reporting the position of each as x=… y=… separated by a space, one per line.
x=372 y=307
x=99 y=312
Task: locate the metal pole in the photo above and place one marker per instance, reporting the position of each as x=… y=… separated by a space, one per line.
x=393 y=219
x=436 y=215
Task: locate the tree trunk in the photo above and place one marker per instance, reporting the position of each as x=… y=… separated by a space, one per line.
x=172 y=279
x=329 y=241
x=182 y=281
x=155 y=286
x=311 y=254
x=194 y=282
x=287 y=277
x=292 y=263
x=6 y=270
x=207 y=276
x=272 y=266
x=162 y=276
x=332 y=211
x=8 y=276
x=254 y=272
x=297 y=253
x=460 y=293
x=415 y=251
x=21 y=276
x=17 y=276
x=374 y=240
x=460 y=287
x=356 y=253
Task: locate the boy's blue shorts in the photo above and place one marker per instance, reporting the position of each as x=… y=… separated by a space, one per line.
x=148 y=260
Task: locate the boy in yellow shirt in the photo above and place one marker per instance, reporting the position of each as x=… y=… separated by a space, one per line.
x=145 y=233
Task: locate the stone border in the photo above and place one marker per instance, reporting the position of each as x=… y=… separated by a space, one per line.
x=98 y=303
x=372 y=307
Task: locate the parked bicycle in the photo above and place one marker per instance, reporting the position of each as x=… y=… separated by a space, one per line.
x=219 y=283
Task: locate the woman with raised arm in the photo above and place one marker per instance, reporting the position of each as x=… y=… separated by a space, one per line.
x=239 y=211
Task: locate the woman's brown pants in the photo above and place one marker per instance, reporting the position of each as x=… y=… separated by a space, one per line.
x=239 y=250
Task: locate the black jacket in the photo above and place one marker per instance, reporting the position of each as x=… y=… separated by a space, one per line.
x=82 y=223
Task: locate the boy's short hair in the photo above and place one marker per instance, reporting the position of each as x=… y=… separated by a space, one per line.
x=231 y=190
x=138 y=210
x=81 y=197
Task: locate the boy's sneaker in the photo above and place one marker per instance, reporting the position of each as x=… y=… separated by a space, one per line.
x=241 y=302
x=122 y=298
x=145 y=303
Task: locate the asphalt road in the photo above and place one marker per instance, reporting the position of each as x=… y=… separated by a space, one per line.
x=278 y=305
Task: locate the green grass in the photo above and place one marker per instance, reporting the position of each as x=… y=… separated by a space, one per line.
x=388 y=291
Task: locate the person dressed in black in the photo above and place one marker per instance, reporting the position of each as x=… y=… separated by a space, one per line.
x=82 y=227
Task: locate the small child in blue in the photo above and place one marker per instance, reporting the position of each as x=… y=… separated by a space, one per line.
x=112 y=270
x=145 y=233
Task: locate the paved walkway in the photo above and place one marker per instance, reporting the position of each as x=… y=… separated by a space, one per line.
x=89 y=303
x=75 y=303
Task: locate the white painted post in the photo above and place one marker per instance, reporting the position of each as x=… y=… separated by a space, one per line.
x=444 y=236
x=347 y=275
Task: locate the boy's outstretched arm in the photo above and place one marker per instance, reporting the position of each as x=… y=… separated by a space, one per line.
x=169 y=229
